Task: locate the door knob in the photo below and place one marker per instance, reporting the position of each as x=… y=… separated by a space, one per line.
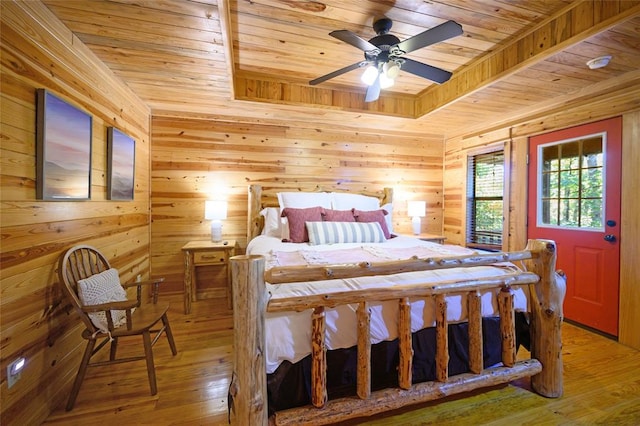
x=610 y=237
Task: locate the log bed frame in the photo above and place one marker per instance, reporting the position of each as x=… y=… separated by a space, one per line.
x=248 y=390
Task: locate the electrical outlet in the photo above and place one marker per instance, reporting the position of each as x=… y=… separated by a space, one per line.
x=14 y=370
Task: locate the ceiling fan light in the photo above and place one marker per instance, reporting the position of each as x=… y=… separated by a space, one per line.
x=369 y=75
x=385 y=81
x=391 y=69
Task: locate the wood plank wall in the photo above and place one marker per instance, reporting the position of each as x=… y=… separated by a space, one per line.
x=191 y=158
x=621 y=101
x=196 y=159
x=629 y=317
x=39 y=52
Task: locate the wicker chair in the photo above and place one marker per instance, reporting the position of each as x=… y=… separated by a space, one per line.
x=82 y=262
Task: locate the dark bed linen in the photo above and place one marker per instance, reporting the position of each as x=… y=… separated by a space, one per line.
x=290 y=385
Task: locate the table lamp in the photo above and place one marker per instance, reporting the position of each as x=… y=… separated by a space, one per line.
x=416 y=209
x=215 y=211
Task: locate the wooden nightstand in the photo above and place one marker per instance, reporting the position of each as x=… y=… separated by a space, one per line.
x=214 y=255
x=428 y=237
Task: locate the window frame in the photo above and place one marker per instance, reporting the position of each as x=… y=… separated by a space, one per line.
x=539 y=182
x=469 y=204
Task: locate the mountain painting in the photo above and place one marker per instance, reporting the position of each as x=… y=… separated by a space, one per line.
x=63 y=150
x=122 y=149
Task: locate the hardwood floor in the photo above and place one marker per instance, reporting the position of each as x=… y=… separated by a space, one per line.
x=602 y=385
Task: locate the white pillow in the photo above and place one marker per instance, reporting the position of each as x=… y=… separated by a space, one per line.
x=344 y=232
x=272 y=222
x=100 y=288
x=346 y=201
x=389 y=218
x=304 y=200
x=284 y=229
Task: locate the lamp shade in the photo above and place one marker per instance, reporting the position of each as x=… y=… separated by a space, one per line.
x=391 y=69
x=369 y=75
x=416 y=208
x=215 y=210
x=385 y=82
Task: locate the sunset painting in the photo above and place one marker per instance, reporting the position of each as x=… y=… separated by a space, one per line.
x=121 y=149
x=63 y=150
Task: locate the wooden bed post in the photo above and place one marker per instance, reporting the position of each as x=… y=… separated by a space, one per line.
x=476 y=357
x=248 y=388
x=405 y=365
x=547 y=297
x=364 y=350
x=254 y=225
x=507 y=326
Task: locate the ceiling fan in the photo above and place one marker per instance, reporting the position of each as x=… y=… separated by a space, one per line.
x=383 y=55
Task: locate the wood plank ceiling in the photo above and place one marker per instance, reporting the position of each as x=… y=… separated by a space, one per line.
x=251 y=60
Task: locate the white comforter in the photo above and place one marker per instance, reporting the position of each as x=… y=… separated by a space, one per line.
x=288 y=335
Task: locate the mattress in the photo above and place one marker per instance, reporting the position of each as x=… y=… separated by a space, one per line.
x=288 y=334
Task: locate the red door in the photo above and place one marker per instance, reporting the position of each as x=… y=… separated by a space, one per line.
x=574 y=199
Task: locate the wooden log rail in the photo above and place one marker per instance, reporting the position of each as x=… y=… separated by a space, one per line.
x=292 y=274
x=545 y=365
x=318 y=303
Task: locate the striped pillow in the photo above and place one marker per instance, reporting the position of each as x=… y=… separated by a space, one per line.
x=344 y=232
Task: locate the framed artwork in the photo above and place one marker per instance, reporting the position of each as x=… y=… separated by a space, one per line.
x=63 y=150
x=121 y=152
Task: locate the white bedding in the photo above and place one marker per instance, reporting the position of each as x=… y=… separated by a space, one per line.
x=288 y=335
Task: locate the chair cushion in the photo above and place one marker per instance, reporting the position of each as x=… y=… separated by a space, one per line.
x=100 y=288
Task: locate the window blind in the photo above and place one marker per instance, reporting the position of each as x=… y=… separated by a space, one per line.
x=485 y=189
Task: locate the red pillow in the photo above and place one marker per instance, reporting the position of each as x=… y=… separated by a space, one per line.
x=297 y=219
x=373 y=216
x=338 y=215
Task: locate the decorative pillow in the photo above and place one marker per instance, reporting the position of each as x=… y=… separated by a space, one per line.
x=344 y=232
x=103 y=287
x=303 y=200
x=297 y=218
x=373 y=216
x=272 y=222
x=345 y=201
x=338 y=215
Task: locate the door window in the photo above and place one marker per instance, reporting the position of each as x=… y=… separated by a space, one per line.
x=571 y=184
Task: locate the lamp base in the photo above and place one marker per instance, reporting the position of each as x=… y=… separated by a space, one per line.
x=216 y=231
x=415 y=222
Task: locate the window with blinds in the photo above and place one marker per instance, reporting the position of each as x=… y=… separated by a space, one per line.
x=485 y=189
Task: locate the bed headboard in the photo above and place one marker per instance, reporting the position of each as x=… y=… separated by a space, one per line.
x=259 y=199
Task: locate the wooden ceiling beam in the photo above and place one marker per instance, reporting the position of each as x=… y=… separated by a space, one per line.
x=250 y=86
x=224 y=15
x=570 y=26
x=575 y=23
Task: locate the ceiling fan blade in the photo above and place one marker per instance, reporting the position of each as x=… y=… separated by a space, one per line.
x=338 y=72
x=373 y=91
x=426 y=71
x=442 y=32
x=353 y=39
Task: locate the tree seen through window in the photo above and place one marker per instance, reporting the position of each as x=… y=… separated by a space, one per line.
x=572 y=184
